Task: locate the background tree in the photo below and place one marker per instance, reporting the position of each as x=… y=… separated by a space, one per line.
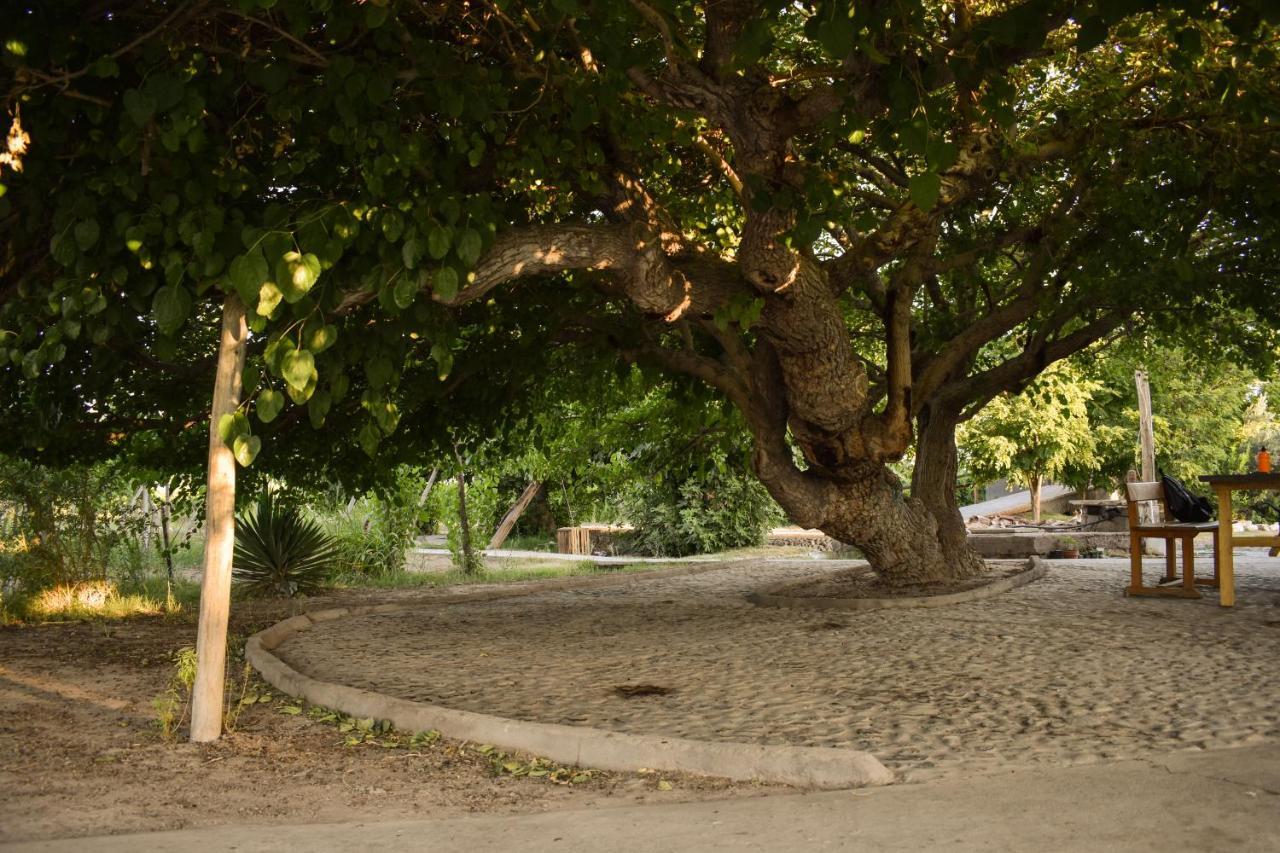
x=1041 y=434
x=1199 y=405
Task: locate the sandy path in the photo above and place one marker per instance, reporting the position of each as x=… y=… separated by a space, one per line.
x=1063 y=671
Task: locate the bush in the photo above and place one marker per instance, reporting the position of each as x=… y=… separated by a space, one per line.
x=279 y=553
x=62 y=527
x=676 y=516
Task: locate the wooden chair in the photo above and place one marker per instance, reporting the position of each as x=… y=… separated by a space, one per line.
x=1171 y=532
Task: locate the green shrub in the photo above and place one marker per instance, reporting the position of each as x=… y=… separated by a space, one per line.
x=280 y=553
x=699 y=513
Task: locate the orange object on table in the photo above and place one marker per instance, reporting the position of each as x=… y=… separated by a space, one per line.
x=1264 y=461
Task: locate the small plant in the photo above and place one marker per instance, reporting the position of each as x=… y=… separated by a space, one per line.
x=172 y=705
x=231 y=716
x=280 y=553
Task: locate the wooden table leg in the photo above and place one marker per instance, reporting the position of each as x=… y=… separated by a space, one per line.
x=1188 y=564
x=1226 y=566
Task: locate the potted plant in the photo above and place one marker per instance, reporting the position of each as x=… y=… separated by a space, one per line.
x=1068 y=548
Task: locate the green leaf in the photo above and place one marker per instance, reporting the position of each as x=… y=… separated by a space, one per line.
x=444 y=360
x=296 y=274
x=245 y=448
x=171 y=307
x=375 y=16
x=133 y=238
x=378 y=372
x=392 y=224
x=303 y=394
x=318 y=408
x=446 y=284
x=248 y=272
x=231 y=425
x=924 y=189
x=140 y=107
x=369 y=438
x=941 y=154
x=269 y=297
x=320 y=338
x=270 y=403
x=387 y=416
x=438 y=241
x=405 y=291
x=412 y=252
x=298 y=367
x=87 y=234
x=469 y=246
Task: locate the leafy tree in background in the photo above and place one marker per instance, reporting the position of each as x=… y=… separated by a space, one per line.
x=858 y=223
x=1199 y=403
x=1041 y=434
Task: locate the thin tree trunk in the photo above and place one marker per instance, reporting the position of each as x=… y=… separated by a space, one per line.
x=215 y=594
x=431 y=482
x=1035 y=497
x=164 y=539
x=464 y=524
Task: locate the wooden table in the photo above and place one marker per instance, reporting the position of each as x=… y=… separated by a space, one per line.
x=1223 y=486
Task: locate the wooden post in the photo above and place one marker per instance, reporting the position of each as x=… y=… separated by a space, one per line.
x=219 y=532
x=1226 y=559
x=1146 y=429
x=513 y=515
x=1147 y=446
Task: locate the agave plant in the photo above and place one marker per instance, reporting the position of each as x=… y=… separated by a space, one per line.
x=280 y=553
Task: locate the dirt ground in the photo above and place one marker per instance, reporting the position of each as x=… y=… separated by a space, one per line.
x=81 y=751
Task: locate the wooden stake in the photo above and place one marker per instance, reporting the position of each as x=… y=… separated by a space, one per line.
x=220 y=531
x=513 y=515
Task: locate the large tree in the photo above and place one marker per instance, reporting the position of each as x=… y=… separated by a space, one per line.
x=858 y=222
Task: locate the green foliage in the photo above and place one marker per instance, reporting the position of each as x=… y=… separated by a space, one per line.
x=1201 y=410
x=1041 y=434
x=172 y=705
x=63 y=527
x=374 y=531
x=720 y=509
x=280 y=553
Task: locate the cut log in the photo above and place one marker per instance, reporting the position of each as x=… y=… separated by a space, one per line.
x=219 y=532
x=513 y=515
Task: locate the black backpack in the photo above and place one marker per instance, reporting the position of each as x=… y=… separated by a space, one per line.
x=1183 y=504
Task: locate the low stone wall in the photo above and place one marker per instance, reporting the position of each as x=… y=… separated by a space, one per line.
x=997 y=543
x=814 y=540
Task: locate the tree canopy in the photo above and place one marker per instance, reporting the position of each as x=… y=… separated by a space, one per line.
x=858 y=222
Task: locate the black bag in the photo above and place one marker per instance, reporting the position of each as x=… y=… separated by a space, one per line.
x=1182 y=504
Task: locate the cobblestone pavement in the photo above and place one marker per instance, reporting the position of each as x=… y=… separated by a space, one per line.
x=1065 y=670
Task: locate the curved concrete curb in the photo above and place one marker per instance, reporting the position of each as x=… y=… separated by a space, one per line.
x=805 y=766
x=1036 y=569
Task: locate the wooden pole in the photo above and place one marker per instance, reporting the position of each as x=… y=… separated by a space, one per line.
x=1147 y=449
x=219 y=533
x=513 y=515
x=1146 y=429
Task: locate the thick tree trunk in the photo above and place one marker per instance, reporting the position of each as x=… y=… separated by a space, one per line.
x=933 y=483
x=868 y=509
x=220 y=529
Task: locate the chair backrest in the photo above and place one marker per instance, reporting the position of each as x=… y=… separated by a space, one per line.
x=1139 y=493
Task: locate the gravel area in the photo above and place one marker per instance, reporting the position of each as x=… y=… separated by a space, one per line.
x=1065 y=670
